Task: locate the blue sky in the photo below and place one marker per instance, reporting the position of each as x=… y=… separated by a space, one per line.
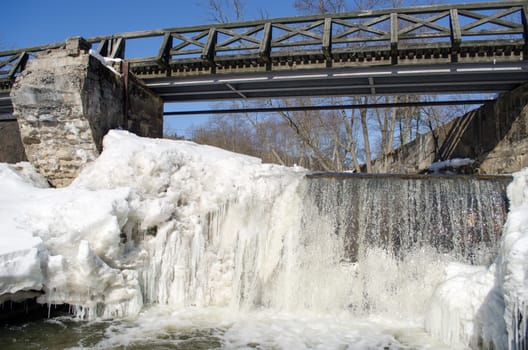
x=36 y=22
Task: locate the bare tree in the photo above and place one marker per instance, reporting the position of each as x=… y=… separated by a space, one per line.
x=319 y=6
x=338 y=140
x=224 y=11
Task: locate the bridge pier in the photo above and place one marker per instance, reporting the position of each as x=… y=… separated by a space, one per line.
x=66 y=100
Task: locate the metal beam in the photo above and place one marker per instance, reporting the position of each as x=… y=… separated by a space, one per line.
x=328 y=107
x=7 y=117
x=236 y=91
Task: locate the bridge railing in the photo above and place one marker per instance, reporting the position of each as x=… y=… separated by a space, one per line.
x=425 y=34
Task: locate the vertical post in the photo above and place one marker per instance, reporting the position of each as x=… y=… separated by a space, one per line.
x=456 y=34
x=164 y=56
x=208 y=52
x=327 y=38
x=102 y=48
x=394 y=37
x=265 y=44
x=118 y=48
x=525 y=31
x=114 y=48
x=125 y=71
x=19 y=65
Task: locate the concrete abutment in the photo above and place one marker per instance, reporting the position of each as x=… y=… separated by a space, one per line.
x=495 y=135
x=66 y=100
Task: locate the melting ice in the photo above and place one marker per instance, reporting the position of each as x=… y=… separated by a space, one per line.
x=166 y=237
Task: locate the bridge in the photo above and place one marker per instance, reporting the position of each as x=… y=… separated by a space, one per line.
x=443 y=49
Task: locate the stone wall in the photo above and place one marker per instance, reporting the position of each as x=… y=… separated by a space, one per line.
x=144 y=110
x=413 y=157
x=501 y=129
x=495 y=135
x=11 y=148
x=66 y=100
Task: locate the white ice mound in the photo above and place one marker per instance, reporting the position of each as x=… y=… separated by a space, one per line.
x=512 y=263
x=178 y=187
x=42 y=231
x=466 y=310
x=96 y=243
x=488 y=308
x=21 y=252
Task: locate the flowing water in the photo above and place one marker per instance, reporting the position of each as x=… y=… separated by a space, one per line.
x=335 y=262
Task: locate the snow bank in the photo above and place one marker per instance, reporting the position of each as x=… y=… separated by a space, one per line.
x=94 y=243
x=465 y=309
x=488 y=308
x=56 y=241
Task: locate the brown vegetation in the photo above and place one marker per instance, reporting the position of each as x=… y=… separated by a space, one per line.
x=336 y=140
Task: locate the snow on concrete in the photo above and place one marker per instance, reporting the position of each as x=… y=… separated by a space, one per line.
x=107 y=61
x=439 y=167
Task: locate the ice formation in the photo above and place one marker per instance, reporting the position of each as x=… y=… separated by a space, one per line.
x=94 y=243
x=487 y=307
x=57 y=240
x=189 y=226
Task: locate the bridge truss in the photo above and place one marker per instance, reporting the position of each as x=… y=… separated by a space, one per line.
x=462 y=48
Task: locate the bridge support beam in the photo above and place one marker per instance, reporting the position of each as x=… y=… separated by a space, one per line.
x=66 y=101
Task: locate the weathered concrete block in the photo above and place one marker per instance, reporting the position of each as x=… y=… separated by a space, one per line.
x=67 y=100
x=77 y=45
x=12 y=149
x=144 y=117
x=495 y=135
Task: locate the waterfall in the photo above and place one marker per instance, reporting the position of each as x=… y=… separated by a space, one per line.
x=457 y=215
x=360 y=244
x=176 y=239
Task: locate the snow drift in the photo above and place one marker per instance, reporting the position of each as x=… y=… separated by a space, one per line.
x=91 y=244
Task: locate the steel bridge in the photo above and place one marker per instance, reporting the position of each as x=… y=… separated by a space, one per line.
x=443 y=49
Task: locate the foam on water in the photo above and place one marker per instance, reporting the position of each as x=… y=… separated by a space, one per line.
x=208 y=328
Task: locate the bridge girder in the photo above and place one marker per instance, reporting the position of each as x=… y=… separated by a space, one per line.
x=373 y=81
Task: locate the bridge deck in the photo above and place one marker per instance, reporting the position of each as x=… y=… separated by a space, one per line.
x=383 y=80
x=475 y=47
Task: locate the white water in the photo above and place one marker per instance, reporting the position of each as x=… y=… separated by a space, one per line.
x=176 y=238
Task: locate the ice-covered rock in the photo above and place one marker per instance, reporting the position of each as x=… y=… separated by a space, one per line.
x=488 y=308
